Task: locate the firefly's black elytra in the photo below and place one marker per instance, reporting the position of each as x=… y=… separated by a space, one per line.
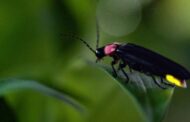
x=143 y=60
x=146 y=61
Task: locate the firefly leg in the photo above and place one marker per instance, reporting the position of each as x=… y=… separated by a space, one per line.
x=167 y=84
x=113 y=68
x=157 y=83
x=121 y=66
x=127 y=77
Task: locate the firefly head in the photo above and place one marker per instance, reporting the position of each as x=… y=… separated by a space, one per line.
x=108 y=50
x=100 y=53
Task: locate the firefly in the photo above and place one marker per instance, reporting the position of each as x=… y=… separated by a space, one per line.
x=142 y=60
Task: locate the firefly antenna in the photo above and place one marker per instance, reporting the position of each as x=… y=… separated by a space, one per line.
x=84 y=42
x=97 y=33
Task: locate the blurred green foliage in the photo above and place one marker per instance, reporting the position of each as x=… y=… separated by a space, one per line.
x=32 y=47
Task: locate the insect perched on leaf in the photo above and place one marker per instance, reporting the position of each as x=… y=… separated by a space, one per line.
x=143 y=60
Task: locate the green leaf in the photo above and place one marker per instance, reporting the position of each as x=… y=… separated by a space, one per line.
x=12 y=85
x=152 y=100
